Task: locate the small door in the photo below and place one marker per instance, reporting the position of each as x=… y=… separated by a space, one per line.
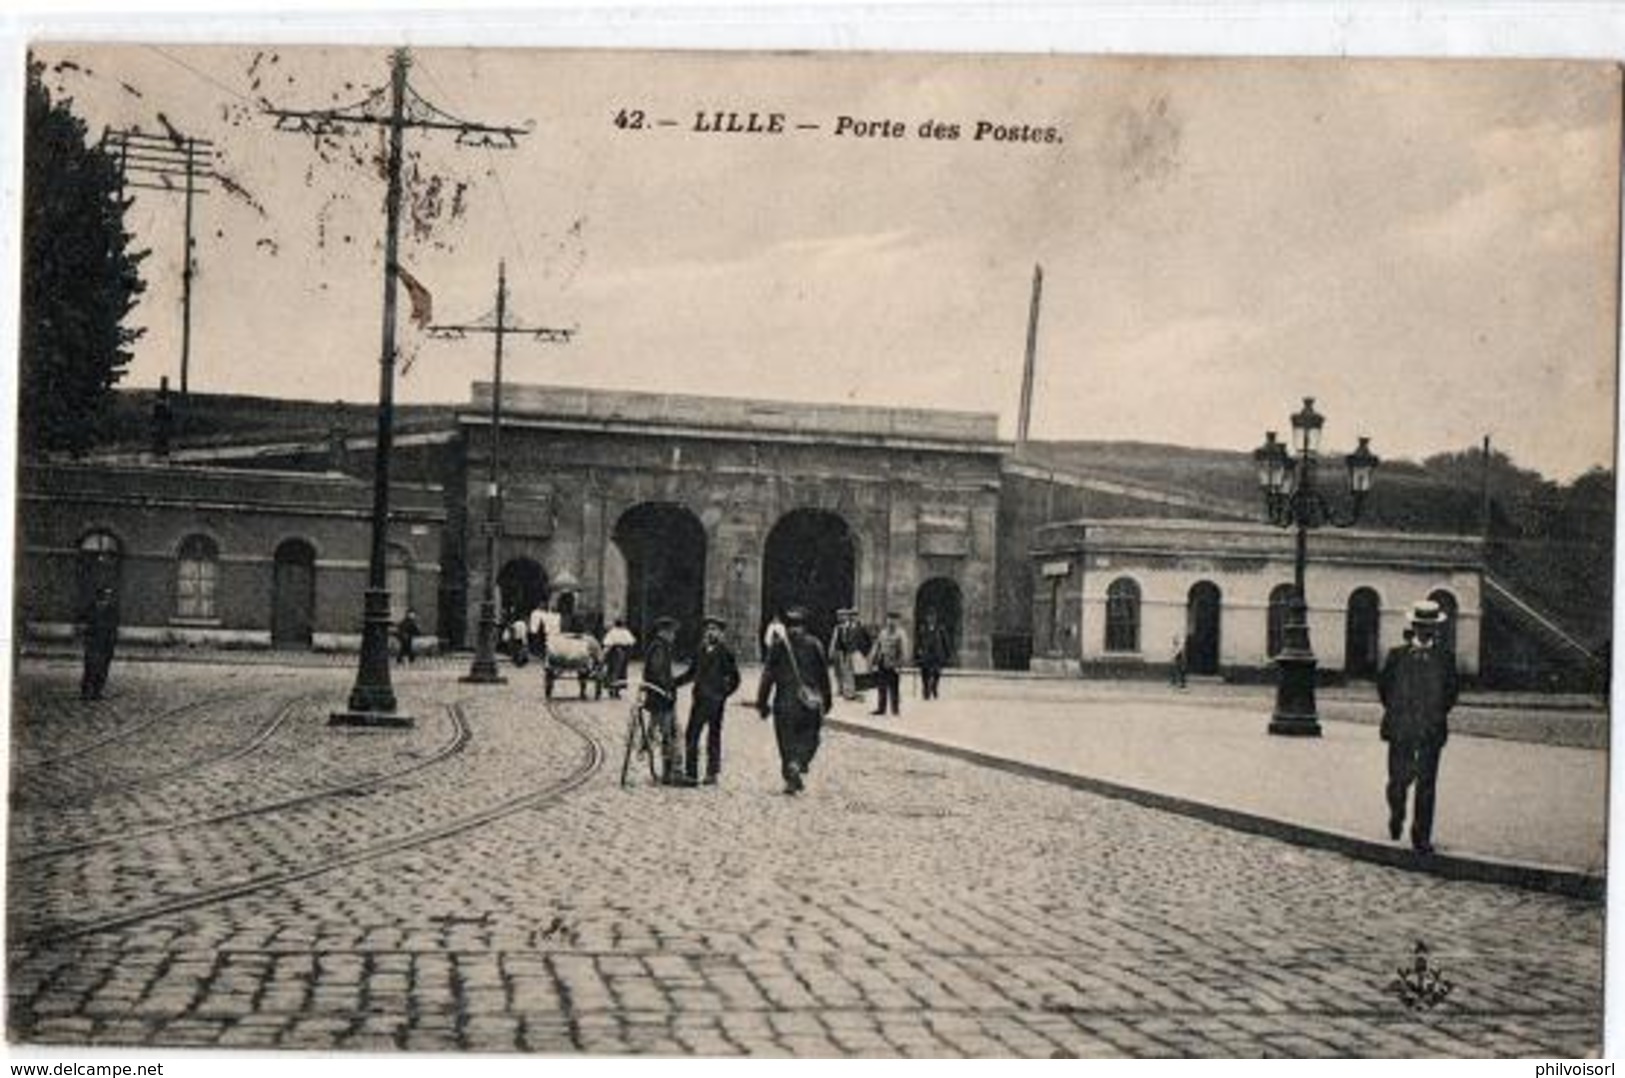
x=1361 y=646
x=293 y=595
x=1202 y=628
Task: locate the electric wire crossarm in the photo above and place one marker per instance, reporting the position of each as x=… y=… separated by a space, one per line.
x=484 y=668
x=372 y=700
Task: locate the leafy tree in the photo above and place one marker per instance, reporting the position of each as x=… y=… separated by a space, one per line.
x=80 y=279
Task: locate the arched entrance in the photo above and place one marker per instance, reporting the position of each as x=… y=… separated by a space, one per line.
x=1447 y=604
x=293 y=595
x=664 y=547
x=1202 y=608
x=1361 y=642
x=522 y=587
x=940 y=596
x=810 y=560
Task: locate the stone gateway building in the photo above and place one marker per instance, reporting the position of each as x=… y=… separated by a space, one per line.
x=636 y=505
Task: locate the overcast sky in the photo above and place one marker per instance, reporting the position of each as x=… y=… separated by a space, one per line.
x=1428 y=248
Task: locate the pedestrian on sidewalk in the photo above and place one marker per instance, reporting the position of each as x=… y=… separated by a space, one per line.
x=618 y=645
x=935 y=649
x=1418 y=686
x=844 y=652
x=407 y=633
x=889 y=655
x=661 y=681
x=715 y=674
x=1176 y=675
x=795 y=689
x=100 y=629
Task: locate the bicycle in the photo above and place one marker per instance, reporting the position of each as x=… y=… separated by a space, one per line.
x=639 y=736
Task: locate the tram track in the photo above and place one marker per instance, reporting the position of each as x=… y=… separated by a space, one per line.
x=235 y=751
x=460 y=736
x=589 y=763
x=24 y=766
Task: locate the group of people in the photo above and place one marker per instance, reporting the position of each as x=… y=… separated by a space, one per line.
x=861 y=657
x=794 y=690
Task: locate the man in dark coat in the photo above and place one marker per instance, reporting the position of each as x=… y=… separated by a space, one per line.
x=408 y=632
x=715 y=675
x=100 y=634
x=795 y=681
x=934 y=651
x=660 y=683
x=1418 y=686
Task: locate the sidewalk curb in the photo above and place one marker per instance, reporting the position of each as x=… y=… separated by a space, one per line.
x=1569 y=882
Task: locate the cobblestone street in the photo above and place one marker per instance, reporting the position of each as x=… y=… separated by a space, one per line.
x=199 y=860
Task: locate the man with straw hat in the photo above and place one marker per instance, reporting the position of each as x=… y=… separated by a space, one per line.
x=1418 y=686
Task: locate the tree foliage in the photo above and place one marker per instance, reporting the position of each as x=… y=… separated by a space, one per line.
x=80 y=279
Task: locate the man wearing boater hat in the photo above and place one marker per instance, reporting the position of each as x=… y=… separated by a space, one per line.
x=795 y=679
x=715 y=674
x=1418 y=687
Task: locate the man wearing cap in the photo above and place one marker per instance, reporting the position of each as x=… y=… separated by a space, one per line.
x=715 y=674
x=889 y=655
x=660 y=683
x=843 y=649
x=795 y=679
x=1418 y=686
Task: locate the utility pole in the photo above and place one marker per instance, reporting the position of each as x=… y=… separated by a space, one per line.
x=372 y=700
x=484 y=669
x=1024 y=420
x=157 y=163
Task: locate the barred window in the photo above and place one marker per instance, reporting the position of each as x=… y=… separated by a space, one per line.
x=196 y=575
x=1123 y=615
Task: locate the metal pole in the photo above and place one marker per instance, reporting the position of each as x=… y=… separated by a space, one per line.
x=1296 y=713
x=484 y=668
x=1024 y=419
x=186 y=272
x=372 y=701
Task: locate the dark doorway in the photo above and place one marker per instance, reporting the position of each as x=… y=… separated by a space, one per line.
x=1280 y=606
x=664 y=548
x=293 y=595
x=940 y=596
x=1202 y=627
x=1447 y=632
x=523 y=587
x=810 y=561
x=1361 y=644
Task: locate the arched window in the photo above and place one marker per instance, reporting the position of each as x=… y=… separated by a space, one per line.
x=1275 y=633
x=1123 y=615
x=197 y=571
x=1451 y=611
x=100 y=555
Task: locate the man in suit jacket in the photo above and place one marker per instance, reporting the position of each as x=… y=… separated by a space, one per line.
x=715 y=675
x=795 y=680
x=1418 y=685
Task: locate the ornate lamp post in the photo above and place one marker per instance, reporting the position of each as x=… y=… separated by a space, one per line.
x=1287 y=478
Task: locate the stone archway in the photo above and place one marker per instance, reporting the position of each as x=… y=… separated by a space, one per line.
x=521 y=587
x=664 y=545
x=810 y=560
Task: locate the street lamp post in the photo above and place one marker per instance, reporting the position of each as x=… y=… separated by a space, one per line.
x=1287 y=479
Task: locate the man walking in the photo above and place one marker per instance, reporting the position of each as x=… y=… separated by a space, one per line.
x=407 y=633
x=715 y=674
x=101 y=633
x=935 y=649
x=890 y=653
x=660 y=683
x=1418 y=686
x=795 y=680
